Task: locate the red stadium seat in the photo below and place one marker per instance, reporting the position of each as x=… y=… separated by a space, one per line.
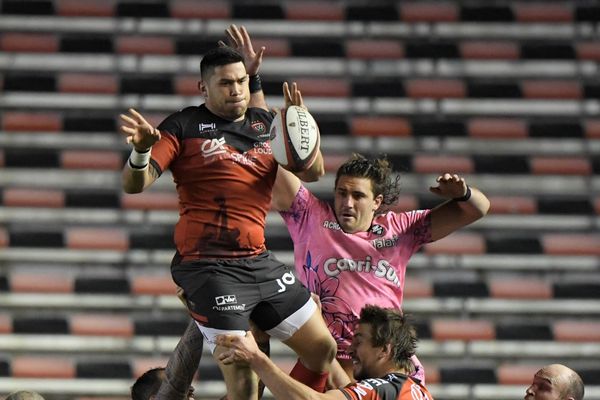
x=154 y=285
x=405 y=203
x=577 y=331
x=484 y=50
x=513 y=205
x=417 y=288
x=429 y=12
x=275 y=47
x=42 y=367
x=144 y=45
x=40 y=283
x=520 y=288
x=497 y=128
x=458 y=243
x=592 y=128
x=329 y=87
x=29 y=42
x=101 y=325
x=542 y=12
x=31 y=121
x=378 y=49
x=150 y=201
x=5 y=323
x=516 y=374
x=4 y=238
x=78 y=159
x=380 y=126
x=141 y=365
x=97 y=238
x=435 y=88
x=542 y=89
x=88 y=83
x=203 y=9
x=437 y=164
x=588 y=51
x=85 y=8
x=571 y=244
x=314 y=10
x=561 y=166
x=442 y=329
x=21 y=197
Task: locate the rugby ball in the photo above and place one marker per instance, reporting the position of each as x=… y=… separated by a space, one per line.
x=294 y=138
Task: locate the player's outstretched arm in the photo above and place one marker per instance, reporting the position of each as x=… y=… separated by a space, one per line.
x=282 y=386
x=465 y=205
x=137 y=173
x=239 y=39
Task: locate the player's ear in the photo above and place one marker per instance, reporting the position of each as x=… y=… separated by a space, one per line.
x=202 y=88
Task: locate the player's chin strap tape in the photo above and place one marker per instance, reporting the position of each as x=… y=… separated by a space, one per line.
x=254 y=83
x=139 y=160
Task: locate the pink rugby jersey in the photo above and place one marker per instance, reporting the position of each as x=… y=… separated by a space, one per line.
x=346 y=270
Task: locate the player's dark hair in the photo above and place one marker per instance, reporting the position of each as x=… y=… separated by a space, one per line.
x=378 y=171
x=217 y=57
x=148 y=384
x=390 y=326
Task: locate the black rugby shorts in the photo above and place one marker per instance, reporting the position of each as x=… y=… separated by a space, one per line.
x=224 y=294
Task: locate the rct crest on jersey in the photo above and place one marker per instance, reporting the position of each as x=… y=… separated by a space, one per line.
x=258 y=126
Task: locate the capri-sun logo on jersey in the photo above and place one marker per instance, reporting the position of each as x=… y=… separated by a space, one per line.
x=381 y=269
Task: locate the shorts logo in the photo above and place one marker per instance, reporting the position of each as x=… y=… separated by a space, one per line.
x=226 y=300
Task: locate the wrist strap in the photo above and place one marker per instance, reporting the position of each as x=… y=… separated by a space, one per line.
x=466 y=197
x=139 y=160
x=254 y=83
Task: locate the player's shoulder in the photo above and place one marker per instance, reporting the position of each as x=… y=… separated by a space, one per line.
x=257 y=112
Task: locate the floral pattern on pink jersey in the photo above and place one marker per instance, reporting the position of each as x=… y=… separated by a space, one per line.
x=336 y=311
x=422 y=232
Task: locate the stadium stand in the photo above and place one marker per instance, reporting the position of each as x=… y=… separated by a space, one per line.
x=505 y=93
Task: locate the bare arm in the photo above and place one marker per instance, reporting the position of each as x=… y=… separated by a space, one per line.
x=182 y=365
x=243 y=349
x=136 y=177
x=452 y=215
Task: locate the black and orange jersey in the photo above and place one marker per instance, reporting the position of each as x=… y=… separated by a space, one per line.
x=390 y=387
x=224 y=173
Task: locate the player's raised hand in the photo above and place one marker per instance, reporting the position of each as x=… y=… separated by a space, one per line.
x=139 y=131
x=239 y=39
x=450 y=186
x=292 y=95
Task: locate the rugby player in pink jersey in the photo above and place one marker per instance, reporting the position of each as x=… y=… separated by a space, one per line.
x=356 y=252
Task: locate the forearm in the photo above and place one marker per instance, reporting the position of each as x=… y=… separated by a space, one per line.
x=477 y=205
x=315 y=172
x=182 y=365
x=135 y=180
x=281 y=385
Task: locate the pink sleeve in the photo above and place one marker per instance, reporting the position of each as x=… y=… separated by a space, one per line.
x=297 y=216
x=416 y=223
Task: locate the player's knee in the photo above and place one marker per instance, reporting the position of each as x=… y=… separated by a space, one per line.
x=325 y=349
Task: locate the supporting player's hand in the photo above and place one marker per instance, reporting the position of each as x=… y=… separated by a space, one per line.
x=292 y=95
x=241 y=349
x=139 y=131
x=239 y=39
x=450 y=186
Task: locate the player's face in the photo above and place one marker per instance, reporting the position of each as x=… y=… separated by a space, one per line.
x=545 y=386
x=364 y=356
x=355 y=204
x=226 y=91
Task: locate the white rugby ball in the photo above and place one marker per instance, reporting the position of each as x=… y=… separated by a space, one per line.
x=294 y=138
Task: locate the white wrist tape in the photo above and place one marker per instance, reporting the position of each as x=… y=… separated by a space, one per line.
x=139 y=160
